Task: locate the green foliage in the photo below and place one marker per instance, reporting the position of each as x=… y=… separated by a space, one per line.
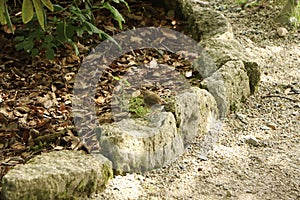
x=296 y=16
x=3 y=8
x=40 y=13
x=27 y=12
x=65 y=24
x=290 y=14
x=4 y=15
x=137 y=108
x=116 y=15
x=39 y=146
x=29 y=43
x=241 y=2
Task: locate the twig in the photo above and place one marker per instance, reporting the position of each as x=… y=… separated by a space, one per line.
x=279 y=96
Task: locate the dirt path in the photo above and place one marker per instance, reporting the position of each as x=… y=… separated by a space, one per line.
x=235 y=169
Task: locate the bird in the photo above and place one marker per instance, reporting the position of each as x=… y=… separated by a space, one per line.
x=151 y=99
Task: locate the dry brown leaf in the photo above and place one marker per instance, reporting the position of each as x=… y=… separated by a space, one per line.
x=100 y=100
x=48 y=104
x=7 y=30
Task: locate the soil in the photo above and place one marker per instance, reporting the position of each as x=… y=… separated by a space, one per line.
x=266 y=167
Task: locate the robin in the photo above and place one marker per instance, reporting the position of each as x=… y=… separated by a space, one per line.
x=152 y=100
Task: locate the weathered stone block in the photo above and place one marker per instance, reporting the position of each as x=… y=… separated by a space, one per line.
x=57 y=175
x=195 y=110
x=137 y=145
x=229 y=85
x=219 y=50
x=204 y=22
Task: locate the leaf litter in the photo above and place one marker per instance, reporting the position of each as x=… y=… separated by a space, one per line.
x=36 y=93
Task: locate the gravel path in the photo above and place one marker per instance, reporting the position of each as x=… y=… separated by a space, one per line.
x=257 y=155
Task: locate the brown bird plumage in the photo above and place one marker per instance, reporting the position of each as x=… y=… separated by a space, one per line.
x=151 y=98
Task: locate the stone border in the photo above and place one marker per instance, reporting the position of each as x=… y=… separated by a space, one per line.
x=232 y=77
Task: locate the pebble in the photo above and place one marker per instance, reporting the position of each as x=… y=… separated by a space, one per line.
x=265 y=128
x=272 y=125
x=250 y=139
x=242 y=118
x=282 y=32
x=203 y=157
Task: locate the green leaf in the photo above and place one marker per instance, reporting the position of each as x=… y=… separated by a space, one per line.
x=116 y=78
x=28 y=45
x=116 y=15
x=48 y=4
x=34 y=52
x=39 y=12
x=122 y=1
x=70 y=30
x=57 y=8
x=92 y=27
x=19 y=39
x=2 y=11
x=7 y=18
x=48 y=38
x=19 y=46
x=108 y=37
x=27 y=11
x=61 y=33
x=74 y=46
x=50 y=53
x=37 y=35
x=78 y=14
x=80 y=30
